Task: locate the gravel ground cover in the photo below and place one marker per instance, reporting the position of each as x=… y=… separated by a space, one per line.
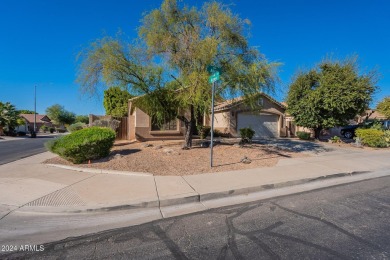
x=167 y=158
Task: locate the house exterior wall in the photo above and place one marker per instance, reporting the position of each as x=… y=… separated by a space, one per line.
x=140 y=128
x=226 y=120
x=222 y=122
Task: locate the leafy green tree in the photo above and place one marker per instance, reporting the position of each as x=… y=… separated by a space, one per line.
x=8 y=117
x=25 y=111
x=82 y=119
x=329 y=95
x=59 y=115
x=384 y=107
x=169 y=62
x=116 y=101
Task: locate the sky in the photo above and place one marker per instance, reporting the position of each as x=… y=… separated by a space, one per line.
x=40 y=40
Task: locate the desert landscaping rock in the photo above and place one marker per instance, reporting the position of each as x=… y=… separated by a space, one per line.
x=246 y=160
x=117 y=156
x=157 y=147
x=168 y=150
x=170 y=162
x=147 y=145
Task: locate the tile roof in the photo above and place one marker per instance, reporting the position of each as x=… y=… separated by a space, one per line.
x=236 y=101
x=40 y=118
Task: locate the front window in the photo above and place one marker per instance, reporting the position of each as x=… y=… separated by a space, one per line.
x=166 y=126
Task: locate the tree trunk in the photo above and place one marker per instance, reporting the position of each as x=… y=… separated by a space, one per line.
x=189 y=126
x=317 y=132
x=1 y=130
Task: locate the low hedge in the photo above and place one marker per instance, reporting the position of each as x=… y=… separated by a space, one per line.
x=86 y=144
x=303 y=135
x=371 y=137
x=76 y=127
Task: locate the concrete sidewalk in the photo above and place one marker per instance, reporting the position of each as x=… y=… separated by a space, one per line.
x=28 y=185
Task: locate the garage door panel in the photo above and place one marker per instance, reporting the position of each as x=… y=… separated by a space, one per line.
x=264 y=125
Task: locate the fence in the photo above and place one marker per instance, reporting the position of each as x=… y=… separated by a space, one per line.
x=121 y=132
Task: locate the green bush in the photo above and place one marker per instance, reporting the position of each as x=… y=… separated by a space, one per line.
x=52 y=129
x=387 y=137
x=76 y=127
x=44 y=128
x=217 y=133
x=246 y=134
x=335 y=139
x=203 y=131
x=86 y=144
x=61 y=130
x=303 y=135
x=371 y=137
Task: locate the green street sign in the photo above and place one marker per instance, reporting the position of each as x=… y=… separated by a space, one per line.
x=213 y=69
x=214 y=77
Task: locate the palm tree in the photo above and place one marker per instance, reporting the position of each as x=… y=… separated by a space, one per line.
x=8 y=116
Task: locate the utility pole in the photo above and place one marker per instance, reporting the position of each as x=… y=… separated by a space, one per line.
x=35 y=108
x=33 y=133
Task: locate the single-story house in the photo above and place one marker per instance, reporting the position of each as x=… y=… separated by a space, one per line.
x=229 y=117
x=29 y=122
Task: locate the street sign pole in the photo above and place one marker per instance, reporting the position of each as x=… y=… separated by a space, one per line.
x=212 y=125
x=215 y=75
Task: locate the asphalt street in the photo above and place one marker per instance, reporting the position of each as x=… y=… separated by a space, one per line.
x=17 y=149
x=349 y=221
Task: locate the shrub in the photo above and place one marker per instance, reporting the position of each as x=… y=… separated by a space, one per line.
x=203 y=131
x=60 y=130
x=217 y=133
x=86 y=144
x=21 y=133
x=75 y=127
x=335 y=139
x=52 y=129
x=44 y=128
x=303 y=135
x=387 y=137
x=247 y=134
x=372 y=137
x=110 y=123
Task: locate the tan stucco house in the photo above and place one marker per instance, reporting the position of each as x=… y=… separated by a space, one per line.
x=28 y=126
x=230 y=116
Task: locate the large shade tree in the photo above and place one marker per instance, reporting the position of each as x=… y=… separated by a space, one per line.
x=330 y=94
x=168 y=61
x=384 y=107
x=59 y=115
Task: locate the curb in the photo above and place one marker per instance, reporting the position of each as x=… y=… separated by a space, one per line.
x=254 y=189
x=93 y=170
x=199 y=198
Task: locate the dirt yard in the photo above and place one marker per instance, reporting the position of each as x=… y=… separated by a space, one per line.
x=167 y=158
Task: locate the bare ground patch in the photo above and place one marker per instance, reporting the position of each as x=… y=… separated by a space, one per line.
x=167 y=158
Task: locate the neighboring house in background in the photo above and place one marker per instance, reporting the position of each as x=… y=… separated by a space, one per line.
x=370 y=115
x=29 y=122
x=230 y=116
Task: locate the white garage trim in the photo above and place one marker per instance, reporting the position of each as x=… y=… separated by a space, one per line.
x=265 y=125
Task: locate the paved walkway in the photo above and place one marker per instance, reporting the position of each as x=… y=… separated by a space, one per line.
x=28 y=185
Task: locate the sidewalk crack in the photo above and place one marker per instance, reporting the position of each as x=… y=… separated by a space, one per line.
x=158 y=197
